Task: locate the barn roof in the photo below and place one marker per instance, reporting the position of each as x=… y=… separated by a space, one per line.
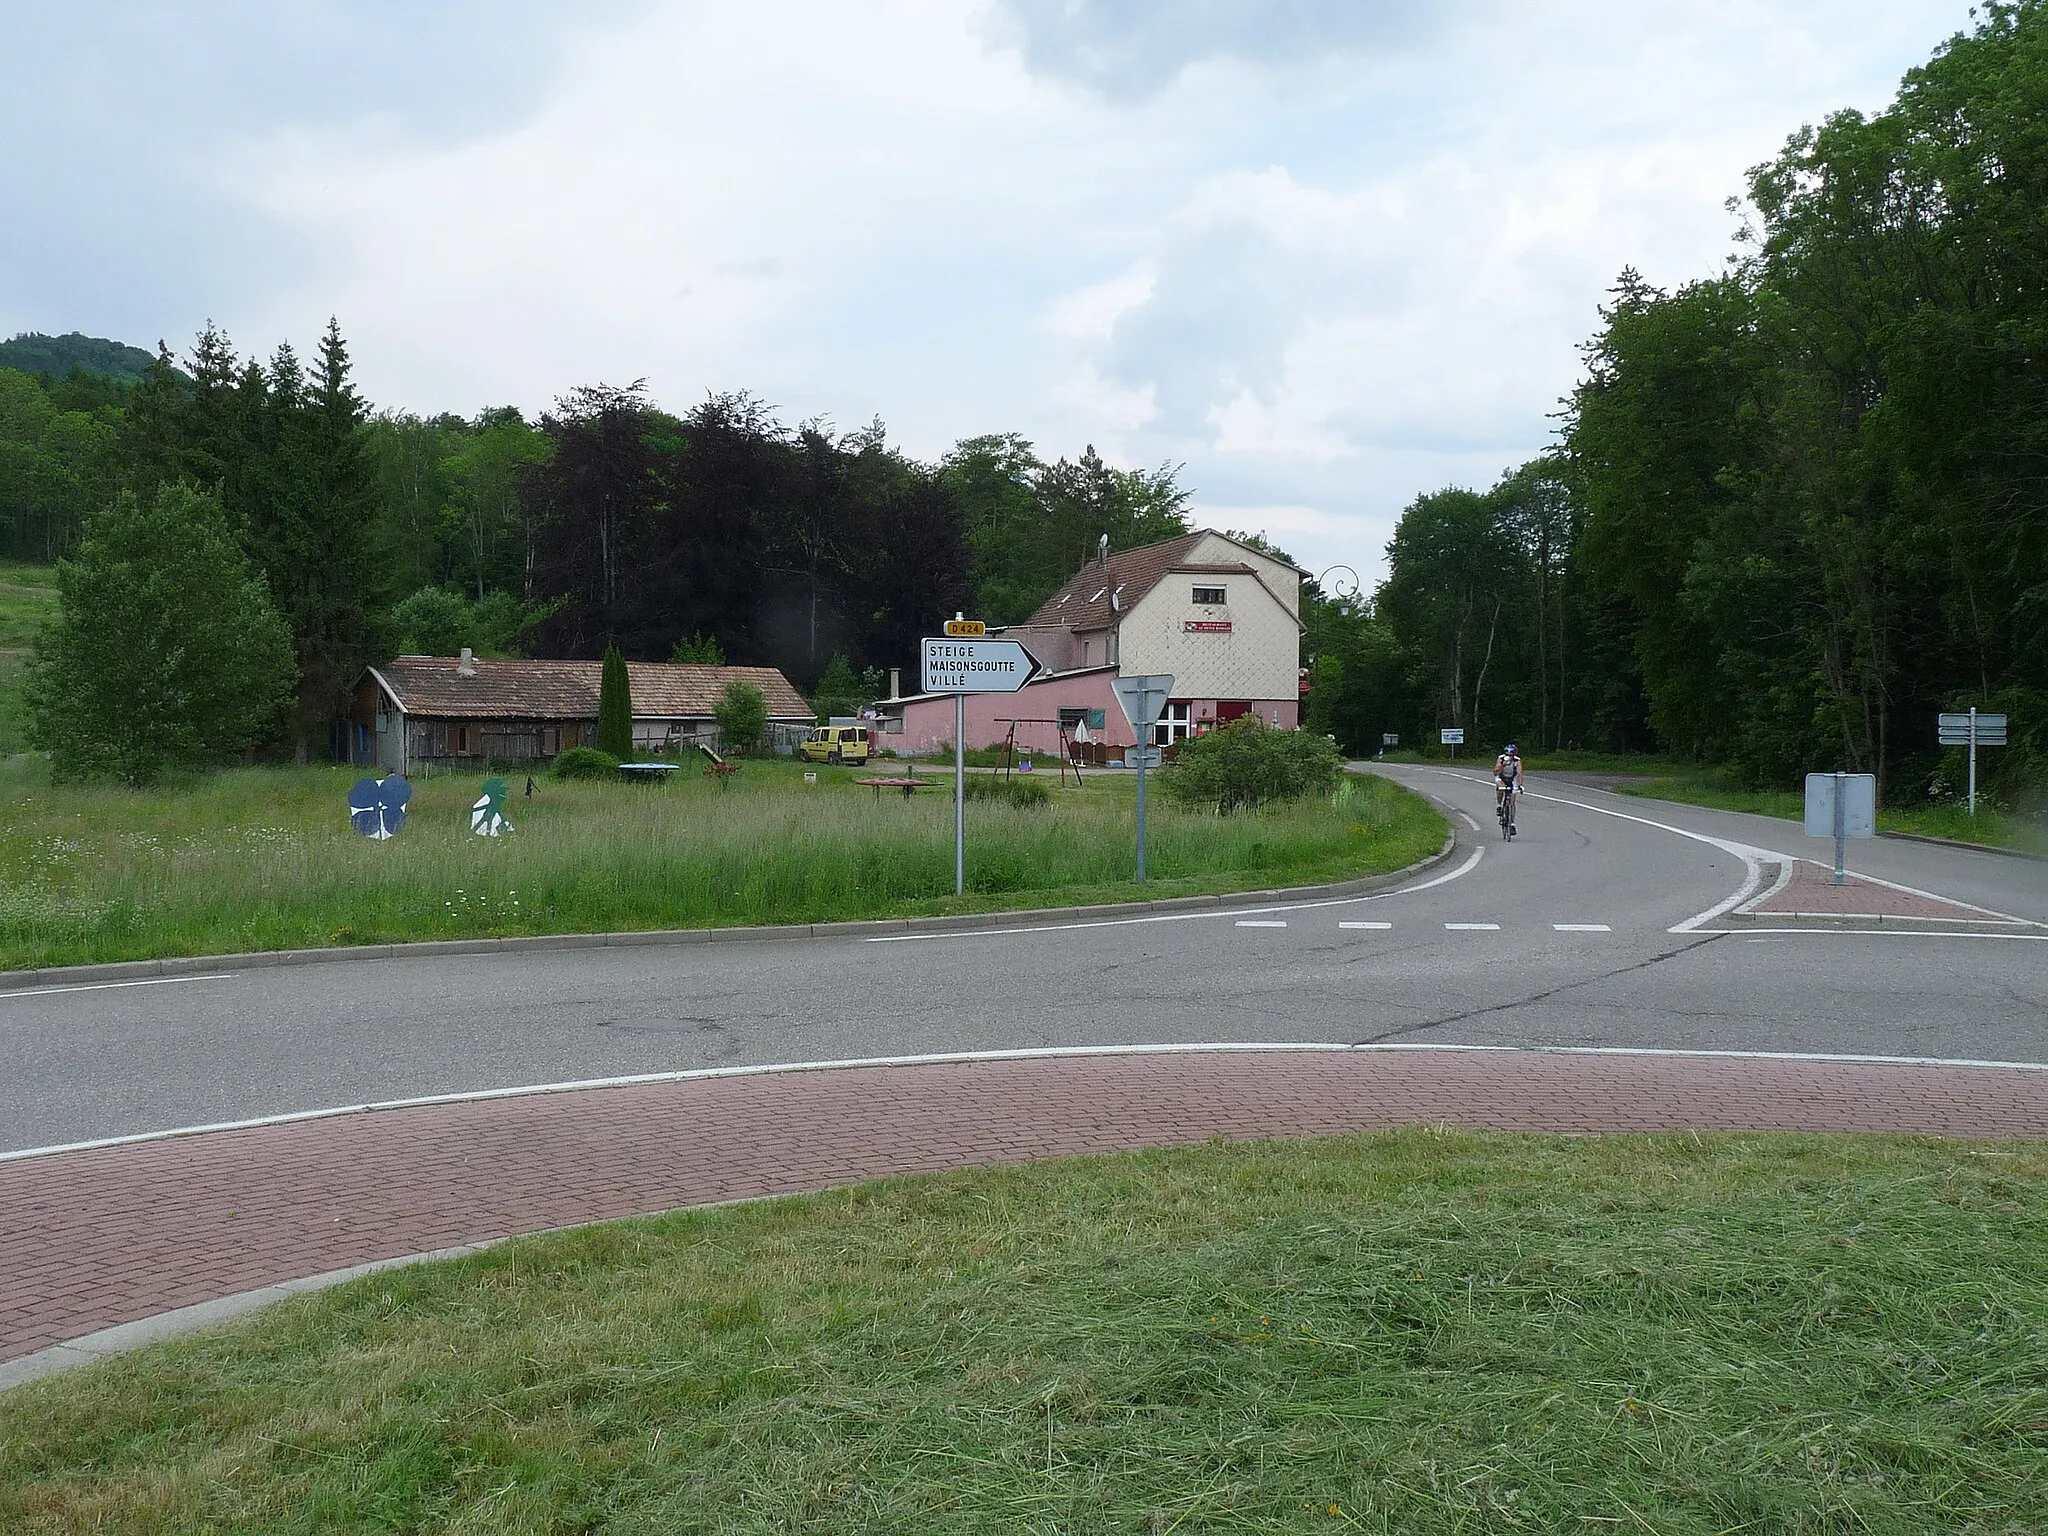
x=567 y=690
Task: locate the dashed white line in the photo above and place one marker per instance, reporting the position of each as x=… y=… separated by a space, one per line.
x=1473 y=927
x=1259 y=922
x=1365 y=925
x=1582 y=928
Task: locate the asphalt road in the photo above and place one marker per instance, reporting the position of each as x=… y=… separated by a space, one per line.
x=1643 y=959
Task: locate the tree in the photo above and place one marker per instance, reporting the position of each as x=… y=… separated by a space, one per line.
x=699 y=650
x=742 y=716
x=167 y=651
x=615 y=706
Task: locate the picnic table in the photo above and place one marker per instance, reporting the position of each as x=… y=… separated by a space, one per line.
x=907 y=785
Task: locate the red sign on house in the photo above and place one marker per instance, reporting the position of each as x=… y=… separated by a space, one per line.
x=1206 y=627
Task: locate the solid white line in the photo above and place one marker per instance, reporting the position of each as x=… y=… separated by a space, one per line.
x=1258 y=922
x=1582 y=927
x=1892 y=933
x=1030 y=1053
x=108 y=986
x=1365 y=925
x=1181 y=917
x=1473 y=927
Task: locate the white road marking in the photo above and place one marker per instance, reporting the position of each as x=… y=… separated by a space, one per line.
x=1253 y=922
x=1365 y=925
x=1014 y=929
x=1029 y=1053
x=1582 y=928
x=1892 y=933
x=1473 y=927
x=1462 y=816
x=109 y=986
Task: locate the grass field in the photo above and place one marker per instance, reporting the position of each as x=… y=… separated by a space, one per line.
x=28 y=596
x=1409 y=1332
x=264 y=858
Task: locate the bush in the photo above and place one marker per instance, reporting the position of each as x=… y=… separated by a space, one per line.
x=1019 y=790
x=1248 y=763
x=586 y=763
x=166 y=652
x=742 y=716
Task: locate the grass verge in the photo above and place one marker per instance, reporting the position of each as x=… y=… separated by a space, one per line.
x=264 y=858
x=1408 y=1332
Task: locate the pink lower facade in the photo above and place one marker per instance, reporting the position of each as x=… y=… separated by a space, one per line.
x=917 y=726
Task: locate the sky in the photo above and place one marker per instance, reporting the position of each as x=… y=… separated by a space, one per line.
x=1325 y=255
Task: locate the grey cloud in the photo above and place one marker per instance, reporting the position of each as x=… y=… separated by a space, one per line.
x=1130 y=48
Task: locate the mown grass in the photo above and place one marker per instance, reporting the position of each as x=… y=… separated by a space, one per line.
x=1407 y=1332
x=28 y=597
x=264 y=858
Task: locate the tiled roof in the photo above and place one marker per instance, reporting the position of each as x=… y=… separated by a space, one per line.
x=1084 y=602
x=567 y=690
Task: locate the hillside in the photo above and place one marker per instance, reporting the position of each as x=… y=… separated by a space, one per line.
x=56 y=356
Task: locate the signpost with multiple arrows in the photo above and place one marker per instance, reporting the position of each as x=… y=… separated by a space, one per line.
x=960 y=662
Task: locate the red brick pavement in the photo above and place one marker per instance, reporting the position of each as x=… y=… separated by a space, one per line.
x=107 y=1235
x=1812 y=892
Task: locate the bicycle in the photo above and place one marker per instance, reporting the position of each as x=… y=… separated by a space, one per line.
x=1504 y=810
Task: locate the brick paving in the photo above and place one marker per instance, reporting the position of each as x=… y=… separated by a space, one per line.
x=1811 y=892
x=101 y=1236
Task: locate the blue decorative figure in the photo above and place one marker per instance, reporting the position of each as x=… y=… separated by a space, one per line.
x=376 y=807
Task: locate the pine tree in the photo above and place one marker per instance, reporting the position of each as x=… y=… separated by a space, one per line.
x=615 y=706
x=314 y=530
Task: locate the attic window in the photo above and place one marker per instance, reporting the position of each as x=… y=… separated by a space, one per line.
x=1212 y=597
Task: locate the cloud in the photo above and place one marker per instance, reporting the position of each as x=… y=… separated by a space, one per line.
x=1130 y=48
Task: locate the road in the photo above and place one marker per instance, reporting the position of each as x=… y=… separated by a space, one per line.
x=1603 y=924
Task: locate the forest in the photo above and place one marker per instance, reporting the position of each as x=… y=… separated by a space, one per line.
x=1795 y=509
x=1792 y=511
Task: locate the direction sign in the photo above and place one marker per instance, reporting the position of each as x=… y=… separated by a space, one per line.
x=1390 y=739
x=966 y=627
x=1454 y=736
x=1143 y=698
x=1841 y=805
x=1954 y=730
x=977 y=666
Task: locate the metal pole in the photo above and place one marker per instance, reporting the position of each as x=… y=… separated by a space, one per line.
x=1144 y=751
x=1973 y=760
x=1841 y=821
x=959 y=794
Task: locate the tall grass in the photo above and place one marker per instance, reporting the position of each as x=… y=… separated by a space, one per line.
x=264 y=858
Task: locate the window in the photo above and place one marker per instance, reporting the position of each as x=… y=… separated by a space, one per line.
x=1212 y=597
x=1174 y=724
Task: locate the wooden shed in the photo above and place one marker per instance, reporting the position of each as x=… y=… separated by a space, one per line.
x=464 y=712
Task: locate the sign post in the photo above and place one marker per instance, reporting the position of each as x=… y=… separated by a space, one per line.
x=961 y=666
x=1142 y=698
x=1841 y=806
x=1972 y=730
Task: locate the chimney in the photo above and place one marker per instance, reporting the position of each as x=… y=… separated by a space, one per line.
x=466 y=666
x=895 y=682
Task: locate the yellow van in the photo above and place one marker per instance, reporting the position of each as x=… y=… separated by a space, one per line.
x=835 y=744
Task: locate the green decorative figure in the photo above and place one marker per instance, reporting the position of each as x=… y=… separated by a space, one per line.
x=487 y=816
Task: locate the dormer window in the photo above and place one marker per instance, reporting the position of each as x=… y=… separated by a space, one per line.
x=1211 y=597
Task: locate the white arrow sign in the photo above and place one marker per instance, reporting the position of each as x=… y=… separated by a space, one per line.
x=976 y=666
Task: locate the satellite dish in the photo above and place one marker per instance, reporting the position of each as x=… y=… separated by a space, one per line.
x=376 y=807
x=487 y=816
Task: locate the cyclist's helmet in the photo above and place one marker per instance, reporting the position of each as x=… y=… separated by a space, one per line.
x=1510 y=749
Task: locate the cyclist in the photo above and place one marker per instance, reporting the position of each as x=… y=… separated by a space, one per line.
x=1507 y=783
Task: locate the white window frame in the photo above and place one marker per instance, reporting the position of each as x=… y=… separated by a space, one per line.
x=1221 y=599
x=1176 y=723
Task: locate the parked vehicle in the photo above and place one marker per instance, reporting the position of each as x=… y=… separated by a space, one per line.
x=835 y=744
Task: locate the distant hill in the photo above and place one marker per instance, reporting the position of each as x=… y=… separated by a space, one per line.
x=56 y=356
